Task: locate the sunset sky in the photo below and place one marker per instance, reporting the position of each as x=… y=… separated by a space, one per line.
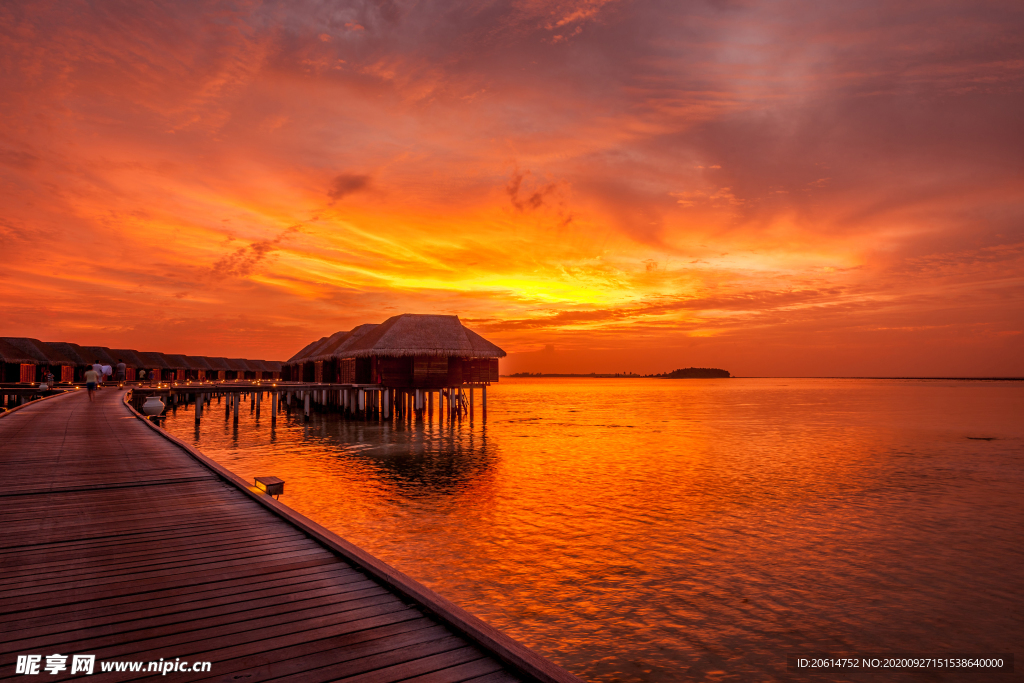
x=775 y=188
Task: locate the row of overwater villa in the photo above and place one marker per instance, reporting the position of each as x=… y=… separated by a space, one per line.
x=27 y=361
x=397 y=368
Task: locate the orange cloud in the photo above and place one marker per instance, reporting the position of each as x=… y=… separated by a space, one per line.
x=805 y=186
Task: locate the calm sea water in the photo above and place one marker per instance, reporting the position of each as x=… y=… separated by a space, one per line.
x=653 y=530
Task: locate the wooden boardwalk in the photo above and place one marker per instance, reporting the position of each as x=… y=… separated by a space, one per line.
x=116 y=542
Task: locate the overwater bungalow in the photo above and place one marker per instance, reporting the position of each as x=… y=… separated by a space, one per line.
x=319 y=362
x=16 y=365
x=180 y=367
x=272 y=369
x=409 y=351
x=99 y=354
x=239 y=369
x=220 y=367
x=156 y=365
x=422 y=351
x=294 y=369
x=131 y=360
x=200 y=368
x=80 y=357
x=45 y=358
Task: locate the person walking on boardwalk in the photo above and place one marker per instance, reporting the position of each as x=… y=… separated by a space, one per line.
x=91 y=379
x=107 y=372
x=121 y=369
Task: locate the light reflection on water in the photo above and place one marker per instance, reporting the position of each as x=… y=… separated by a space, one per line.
x=651 y=530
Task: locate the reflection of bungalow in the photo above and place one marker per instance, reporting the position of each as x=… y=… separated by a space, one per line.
x=406 y=351
x=45 y=357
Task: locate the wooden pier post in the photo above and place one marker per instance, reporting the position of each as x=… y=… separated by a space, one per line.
x=387 y=404
x=307 y=400
x=273 y=408
x=199 y=407
x=471 y=404
x=483 y=402
x=237 y=399
x=259 y=401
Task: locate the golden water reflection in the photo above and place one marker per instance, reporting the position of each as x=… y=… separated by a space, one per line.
x=647 y=530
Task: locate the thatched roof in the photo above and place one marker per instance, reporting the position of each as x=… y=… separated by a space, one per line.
x=154 y=359
x=308 y=350
x=40 y=352
x=273 y=365
x=128 y=356
x=414 y=334
x=239 y=365
x=198 y=363
x=72 y=352
x=9 y=353
x=339 y=343
x=218 y=363
x=177 y=361
x=99 y=354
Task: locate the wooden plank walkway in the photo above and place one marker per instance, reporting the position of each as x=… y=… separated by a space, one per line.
x=118 y=543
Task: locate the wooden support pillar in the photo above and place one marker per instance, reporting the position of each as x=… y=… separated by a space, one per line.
x=199 y=408
x=259 y=401
x=387 y=404
x=471 y=404
x=483 y=402
x=238 y=399
x=308 y=396
x=362 y=403
x=273 y=408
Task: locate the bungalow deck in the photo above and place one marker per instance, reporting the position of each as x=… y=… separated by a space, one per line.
x=122 y=543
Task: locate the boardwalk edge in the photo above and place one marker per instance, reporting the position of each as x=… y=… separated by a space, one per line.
x=502 y=646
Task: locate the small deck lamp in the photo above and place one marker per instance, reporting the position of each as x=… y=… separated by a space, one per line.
x=272 y=486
